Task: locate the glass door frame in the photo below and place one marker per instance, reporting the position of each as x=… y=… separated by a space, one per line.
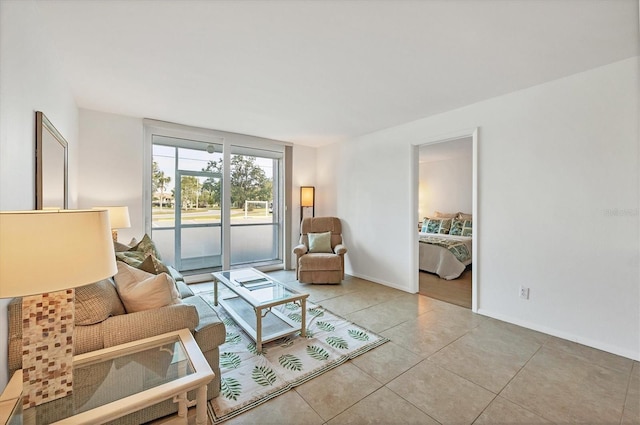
x=178 y=213
x=227 y=140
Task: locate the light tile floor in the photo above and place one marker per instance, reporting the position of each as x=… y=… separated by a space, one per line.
x=444 y=364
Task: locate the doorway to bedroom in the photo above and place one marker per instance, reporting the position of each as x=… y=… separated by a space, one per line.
x=445 y=211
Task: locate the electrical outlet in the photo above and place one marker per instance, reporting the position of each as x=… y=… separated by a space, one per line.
x=524 y=293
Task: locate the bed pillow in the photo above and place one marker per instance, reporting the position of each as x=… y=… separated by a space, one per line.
x=461 y=227
x=141 y=291
x=436 y=225
x=463 y=216
x=439 y=214
x=467 y=229
x=320 y=242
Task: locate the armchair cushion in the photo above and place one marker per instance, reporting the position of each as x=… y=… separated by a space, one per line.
x=320 y=242
x=320 y=261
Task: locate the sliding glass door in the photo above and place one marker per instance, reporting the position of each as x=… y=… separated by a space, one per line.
x=198 y=234
x=185 y=209
x=193 y=213
x=255 y=207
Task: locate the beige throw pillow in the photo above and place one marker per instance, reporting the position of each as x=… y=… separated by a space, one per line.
x=140 y=290
x=320 y=242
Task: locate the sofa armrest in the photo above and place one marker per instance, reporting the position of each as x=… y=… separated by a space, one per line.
x=144 y=324
x=300 y=249
x=183 y=289
x=175 y=274
x=340 y=249
x=210 y=332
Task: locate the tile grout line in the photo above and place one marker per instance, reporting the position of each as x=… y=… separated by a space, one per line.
x=410 y=403
x=496 y=395
x=626 y=396
x=351 y=405
x=514 y=377
x=310 y=406
x=586 y=359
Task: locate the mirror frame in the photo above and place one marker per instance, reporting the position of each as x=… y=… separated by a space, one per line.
x=44 y=125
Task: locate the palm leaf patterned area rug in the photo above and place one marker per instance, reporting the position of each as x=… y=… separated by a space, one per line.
x=249 y=379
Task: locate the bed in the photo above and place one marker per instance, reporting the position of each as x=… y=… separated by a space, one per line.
x=443 y=254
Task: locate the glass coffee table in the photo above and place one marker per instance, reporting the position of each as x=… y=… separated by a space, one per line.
x=253 y=296
x=116 y=381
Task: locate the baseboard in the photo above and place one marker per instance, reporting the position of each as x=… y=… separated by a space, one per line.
x=381 y=282
x=270 y=267
x=197 y=278
x=564 y=335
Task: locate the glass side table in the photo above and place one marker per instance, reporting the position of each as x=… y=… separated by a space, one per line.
x=116 y=381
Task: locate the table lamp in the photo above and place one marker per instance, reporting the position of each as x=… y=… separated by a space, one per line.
x=43 y=256
x=118 y=218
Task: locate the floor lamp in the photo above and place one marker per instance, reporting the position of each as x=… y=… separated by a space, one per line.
x=43 y=256
x=307 y=199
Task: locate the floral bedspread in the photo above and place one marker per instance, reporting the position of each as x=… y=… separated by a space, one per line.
x=457 y=248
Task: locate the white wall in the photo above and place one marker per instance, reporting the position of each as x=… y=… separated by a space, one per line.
x=446 y=186
x=30 y=80
x=558 y=204
x=304 y=174
x=111 y=166
x=367 y=183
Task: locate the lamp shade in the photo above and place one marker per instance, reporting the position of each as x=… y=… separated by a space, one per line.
x=118 y=216
x=307 y=196
x=46 y=251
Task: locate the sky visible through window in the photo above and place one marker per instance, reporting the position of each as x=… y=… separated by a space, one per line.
x=194 y=160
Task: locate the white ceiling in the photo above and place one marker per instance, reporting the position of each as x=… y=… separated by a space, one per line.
x=316 y=72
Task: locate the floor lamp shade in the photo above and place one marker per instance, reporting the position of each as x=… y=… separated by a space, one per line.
x=43 y=256
x=307 y=196
x=307 y=199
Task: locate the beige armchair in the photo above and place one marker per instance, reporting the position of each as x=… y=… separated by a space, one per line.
x=320 y=255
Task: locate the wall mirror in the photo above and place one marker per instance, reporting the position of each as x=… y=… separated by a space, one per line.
x=51 y=166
